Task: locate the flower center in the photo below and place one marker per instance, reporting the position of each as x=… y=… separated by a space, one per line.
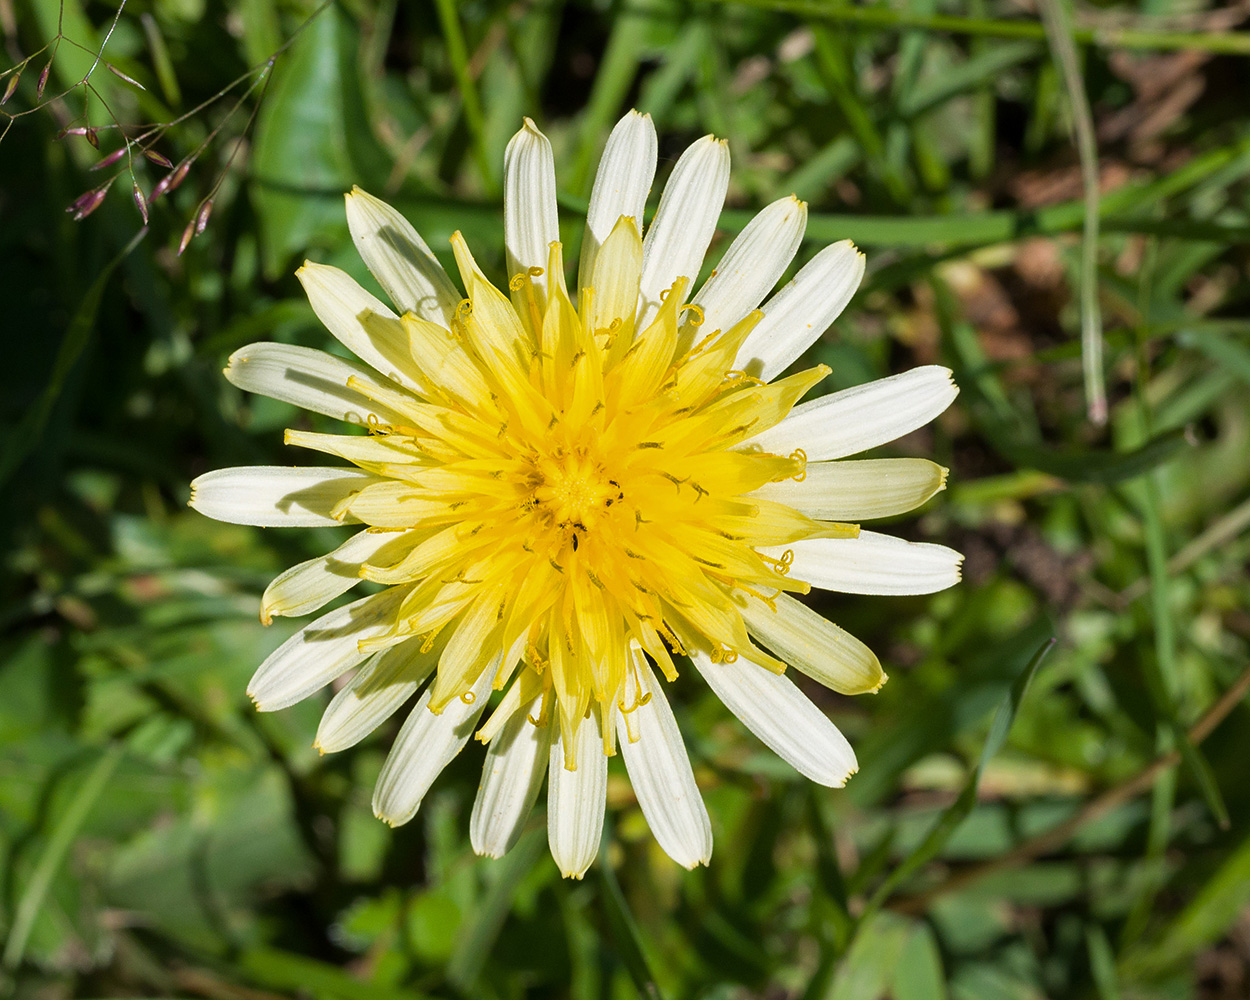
x=572 y=492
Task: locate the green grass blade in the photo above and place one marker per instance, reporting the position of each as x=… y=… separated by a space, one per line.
x=1166 y=682
x=954 y=814
x=1005 y=714
x=1102 y=963
x=1058 y=25
x=458 y=53
x=1206 y=918
x=77 y=335
x=1227 y=42
x=470 y=956
x=1224 y=351
x=838 y=75
x=624 y=930
x=1095 y=465
x=612 y=82
x=970 y=73
x=54 y=851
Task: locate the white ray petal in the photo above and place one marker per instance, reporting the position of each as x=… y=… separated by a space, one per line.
x=276 y=496
x=576 y=800
x=859 y=489
x=798 y=314
x=362 y=323
x=311 y=380
x=530 y=220
x=400 y=259
x=310 y=585
x=659 y=769
x=516 y=764
x=814 y=645
x=379 y=689
x=871 y=564
x=621 y=186
x=753 y=264
x=678 y=237
x=322 y=650
x=425 y=745
x=782 y=717
x=862 y=417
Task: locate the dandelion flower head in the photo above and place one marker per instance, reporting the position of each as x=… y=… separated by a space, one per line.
x=565 y=494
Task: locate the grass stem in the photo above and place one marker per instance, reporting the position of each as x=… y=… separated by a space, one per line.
x=458 y=52
x=1059 y=32
x=1216 y=42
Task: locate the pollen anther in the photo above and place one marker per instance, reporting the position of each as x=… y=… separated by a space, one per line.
x=696 y=316
x=799 y=455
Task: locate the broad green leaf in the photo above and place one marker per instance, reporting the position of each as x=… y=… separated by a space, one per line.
x=919 y=974
x=869 y=966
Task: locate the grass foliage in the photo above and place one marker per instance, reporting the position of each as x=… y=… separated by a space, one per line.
x=1085 y=835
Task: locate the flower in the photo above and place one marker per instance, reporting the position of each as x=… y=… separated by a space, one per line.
x=562 y=493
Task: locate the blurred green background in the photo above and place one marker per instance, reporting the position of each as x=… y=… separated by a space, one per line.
x=159 y=838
